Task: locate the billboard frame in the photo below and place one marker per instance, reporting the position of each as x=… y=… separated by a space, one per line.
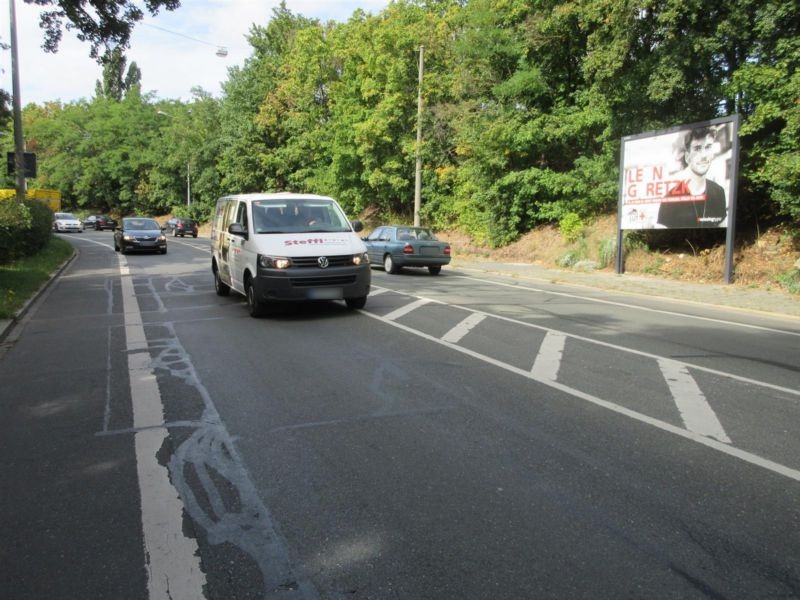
x=734 y=180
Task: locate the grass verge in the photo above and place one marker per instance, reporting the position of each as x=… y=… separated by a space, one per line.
x=20 y=279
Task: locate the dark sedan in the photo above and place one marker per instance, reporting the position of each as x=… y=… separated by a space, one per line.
x=181 y=227
x=398 y=246
x=99 y=222
x=140 y=234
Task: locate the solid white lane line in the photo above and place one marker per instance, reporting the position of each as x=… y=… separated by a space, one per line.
x=172 y=561
x=548 y=361
x=404 y=310
x=697 y=414
x=668 y=427
x=463 y=328
x=633 y=306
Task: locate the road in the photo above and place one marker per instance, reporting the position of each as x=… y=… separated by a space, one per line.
x=461 y=437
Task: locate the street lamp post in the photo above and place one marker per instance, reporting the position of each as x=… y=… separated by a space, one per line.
x=19 y=144
x=418 y=170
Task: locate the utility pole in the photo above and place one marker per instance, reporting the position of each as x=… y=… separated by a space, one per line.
x=418 y=174
x=19 y=143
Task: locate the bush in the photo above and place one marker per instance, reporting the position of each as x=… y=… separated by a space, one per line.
x=36 y=237
x=790 y=281
x=607 y=252
x=24 y=228
x=571 y=226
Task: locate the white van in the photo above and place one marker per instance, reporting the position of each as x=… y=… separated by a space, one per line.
x=286 y=246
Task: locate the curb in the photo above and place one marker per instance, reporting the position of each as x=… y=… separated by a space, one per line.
x=6 y=325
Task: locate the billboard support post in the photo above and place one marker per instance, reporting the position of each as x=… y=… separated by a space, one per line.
x=731 y=233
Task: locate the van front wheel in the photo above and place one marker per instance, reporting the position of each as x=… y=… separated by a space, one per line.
x=356 y=303
x=254 y=305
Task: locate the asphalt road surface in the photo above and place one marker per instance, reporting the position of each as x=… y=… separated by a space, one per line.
x=461 y=437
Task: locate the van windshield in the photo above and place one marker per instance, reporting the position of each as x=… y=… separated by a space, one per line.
x=298 y=216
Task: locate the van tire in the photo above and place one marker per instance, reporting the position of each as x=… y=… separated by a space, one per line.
x=221 y=288
x=356 y=303
x=254 y=305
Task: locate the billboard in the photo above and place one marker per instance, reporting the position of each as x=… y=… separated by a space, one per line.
x=680 y=178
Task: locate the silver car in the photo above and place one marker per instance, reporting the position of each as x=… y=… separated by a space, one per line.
x=66 y=222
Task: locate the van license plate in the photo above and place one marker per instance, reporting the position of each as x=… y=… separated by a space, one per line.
x=325 y=294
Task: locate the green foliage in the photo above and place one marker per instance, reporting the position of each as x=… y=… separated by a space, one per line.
x=607 y=252
x=15 y=219
x=790 y=281
x=24 y=228
x=19 y=279
x=572 y=227
x=108 y=24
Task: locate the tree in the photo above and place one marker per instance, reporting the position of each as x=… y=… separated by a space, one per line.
x=103 y=23
x=116 y=82
x=245 y=145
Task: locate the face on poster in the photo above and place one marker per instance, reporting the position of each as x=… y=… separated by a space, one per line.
x=679 y=179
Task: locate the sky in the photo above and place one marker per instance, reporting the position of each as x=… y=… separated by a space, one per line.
x=172 y=62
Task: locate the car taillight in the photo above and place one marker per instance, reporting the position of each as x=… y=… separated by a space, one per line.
x=408 y=249
x=447 y=250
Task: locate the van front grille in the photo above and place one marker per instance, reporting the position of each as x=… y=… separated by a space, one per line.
x=337 y=280
x=333 y=261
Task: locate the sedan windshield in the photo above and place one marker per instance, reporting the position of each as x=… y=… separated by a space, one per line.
x=298 y=216
x=65 y=216
x=140 y=224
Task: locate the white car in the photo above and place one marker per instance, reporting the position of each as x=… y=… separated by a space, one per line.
x=66 y=222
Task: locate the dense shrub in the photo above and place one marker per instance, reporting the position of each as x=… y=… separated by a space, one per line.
x=24 y=228
x=35 y=237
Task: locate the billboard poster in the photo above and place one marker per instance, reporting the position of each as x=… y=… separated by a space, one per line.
x=681 y=178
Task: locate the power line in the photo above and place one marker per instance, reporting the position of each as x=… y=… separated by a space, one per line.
x=221 y=50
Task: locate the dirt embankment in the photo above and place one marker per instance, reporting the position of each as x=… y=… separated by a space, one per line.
x=772 y=261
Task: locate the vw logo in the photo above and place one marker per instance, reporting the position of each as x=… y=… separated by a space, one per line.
x=322 y=261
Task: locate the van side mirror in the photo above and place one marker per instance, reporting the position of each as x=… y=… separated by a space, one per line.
x=237 y=229
x=357 y=225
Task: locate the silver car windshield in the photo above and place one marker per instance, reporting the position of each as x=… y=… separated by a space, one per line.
x=298 y=216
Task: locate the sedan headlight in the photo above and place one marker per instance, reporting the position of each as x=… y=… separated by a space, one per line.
x=162 y=238
x=361 y=259
x=274 y=262
x=128 y=238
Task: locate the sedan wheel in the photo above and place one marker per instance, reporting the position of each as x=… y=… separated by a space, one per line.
x=434 y=270
x=388 y=265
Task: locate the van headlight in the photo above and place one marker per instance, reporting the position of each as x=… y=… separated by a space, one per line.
x=274 y=262
x=361 y=258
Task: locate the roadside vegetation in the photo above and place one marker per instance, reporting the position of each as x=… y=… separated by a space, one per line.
x=20 y=278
